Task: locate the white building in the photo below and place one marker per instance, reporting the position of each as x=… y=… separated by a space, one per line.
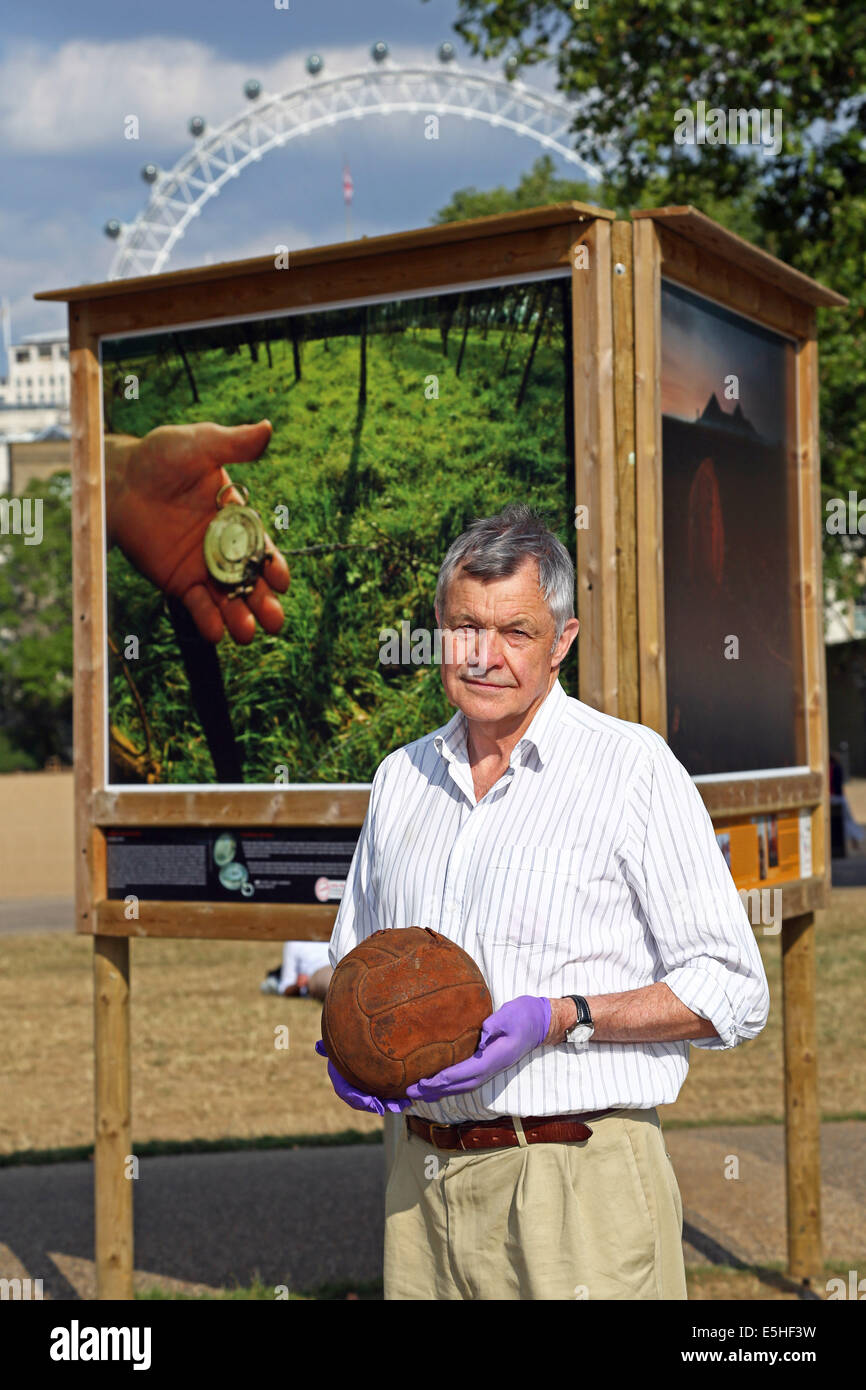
x=38 y=371
x=38 y=380
x=34 y=397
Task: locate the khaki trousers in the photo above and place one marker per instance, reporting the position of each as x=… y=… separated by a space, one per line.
x=599 y=1219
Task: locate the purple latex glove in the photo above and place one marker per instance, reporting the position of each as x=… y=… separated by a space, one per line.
x=358 y=1099
x=506 y=1036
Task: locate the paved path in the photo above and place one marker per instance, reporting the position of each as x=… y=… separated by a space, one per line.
x=308 y=1217
x=37 y=914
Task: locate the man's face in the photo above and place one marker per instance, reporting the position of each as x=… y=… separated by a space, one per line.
x=497 y=652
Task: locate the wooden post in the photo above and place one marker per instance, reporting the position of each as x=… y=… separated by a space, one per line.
x=648 y=478
x=802 y=1115
x=595 y=466
x=113 y=1128
x=622 y=293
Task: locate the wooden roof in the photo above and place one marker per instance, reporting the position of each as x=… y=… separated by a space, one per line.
x=495 y=225
x=694 y=226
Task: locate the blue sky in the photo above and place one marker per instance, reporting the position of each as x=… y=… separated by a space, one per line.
x=70 y=74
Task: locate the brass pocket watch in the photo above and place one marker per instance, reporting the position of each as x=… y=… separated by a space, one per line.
x=235 y=552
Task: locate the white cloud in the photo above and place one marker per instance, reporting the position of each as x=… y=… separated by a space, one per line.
x=74 y=99
x=45 y=253
x=70 y=100
x=265 y=242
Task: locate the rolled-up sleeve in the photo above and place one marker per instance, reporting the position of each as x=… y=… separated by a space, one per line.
x=705 y=942
x=357 y=915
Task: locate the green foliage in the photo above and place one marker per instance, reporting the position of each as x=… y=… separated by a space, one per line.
x=632 y=64
x=375 y=494
x=537 y=188
x=36 y=635
x=13 y=758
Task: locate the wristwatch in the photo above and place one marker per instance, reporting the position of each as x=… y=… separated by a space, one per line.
x=582 y=1030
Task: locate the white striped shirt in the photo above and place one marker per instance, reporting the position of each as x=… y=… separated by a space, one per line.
x=591 y=867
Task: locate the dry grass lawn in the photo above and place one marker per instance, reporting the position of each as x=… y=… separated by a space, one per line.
x=205 y=1064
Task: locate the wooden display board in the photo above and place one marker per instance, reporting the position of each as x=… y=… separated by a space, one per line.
x=614 y=272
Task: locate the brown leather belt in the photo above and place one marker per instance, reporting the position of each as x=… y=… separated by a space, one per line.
x=501 y=1134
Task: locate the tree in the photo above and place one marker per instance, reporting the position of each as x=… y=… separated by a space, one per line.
x=36 y=630
x=362 y=374
x=635 y=65
x=536 y=188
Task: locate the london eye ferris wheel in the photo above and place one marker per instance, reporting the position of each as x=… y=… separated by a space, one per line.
x=271 y=121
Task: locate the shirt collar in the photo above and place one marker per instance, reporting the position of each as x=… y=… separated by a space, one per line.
x=451 y=743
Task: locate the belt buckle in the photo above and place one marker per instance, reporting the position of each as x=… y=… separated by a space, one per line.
x=434 y=1125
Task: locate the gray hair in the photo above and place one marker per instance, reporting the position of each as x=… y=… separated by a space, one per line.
x=494 y=547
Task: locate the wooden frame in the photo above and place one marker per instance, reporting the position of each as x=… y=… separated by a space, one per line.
x=683 y=246
x=490 y=250
x=595 y=473
x=648 y=490
x=616 y=342
x=680 y=244
x=628 y=683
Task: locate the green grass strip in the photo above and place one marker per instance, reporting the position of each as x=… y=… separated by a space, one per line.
x=259 y=1292
x=160 y=1148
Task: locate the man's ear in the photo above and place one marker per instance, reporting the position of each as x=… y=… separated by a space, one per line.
x=569 y=634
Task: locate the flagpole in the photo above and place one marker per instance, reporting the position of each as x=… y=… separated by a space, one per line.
x=348 y=194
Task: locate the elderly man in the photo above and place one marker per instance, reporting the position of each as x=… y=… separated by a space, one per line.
x=570 y=854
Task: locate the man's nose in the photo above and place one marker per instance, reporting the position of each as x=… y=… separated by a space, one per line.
x=485 y=653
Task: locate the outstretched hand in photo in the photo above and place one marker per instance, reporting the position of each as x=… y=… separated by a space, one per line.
x=160 y=499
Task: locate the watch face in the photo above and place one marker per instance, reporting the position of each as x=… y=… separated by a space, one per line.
x=234 y=545
x=581 y=1034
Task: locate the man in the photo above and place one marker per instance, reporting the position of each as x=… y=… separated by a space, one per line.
x=571 y=855
x=305 y=970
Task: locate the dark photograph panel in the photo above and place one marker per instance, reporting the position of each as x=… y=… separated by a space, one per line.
x=394 y=425
x=733 y=644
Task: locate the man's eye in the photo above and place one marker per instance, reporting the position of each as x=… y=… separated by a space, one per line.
x=516 y=632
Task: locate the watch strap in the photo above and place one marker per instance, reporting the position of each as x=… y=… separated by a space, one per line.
x=583 y=1013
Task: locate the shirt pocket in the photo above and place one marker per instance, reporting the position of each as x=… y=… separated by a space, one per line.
x=532 y=896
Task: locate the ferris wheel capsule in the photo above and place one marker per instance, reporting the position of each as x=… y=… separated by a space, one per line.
x=447 y=52
x=196 y=125
x=379 y=52
x=150 y=173
x=315 y=63
x=112 y=228
x=252 y=88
